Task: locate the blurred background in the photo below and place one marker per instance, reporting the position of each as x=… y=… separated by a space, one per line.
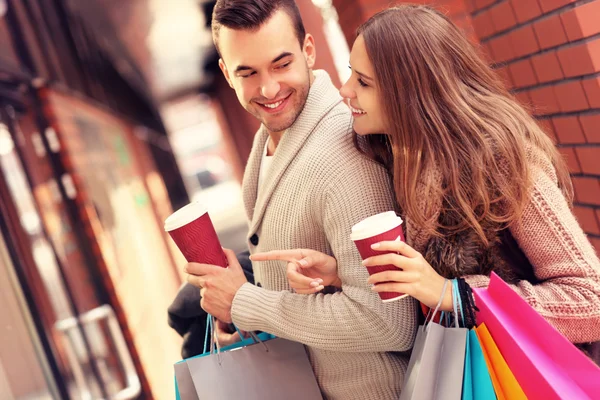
x=113 y=113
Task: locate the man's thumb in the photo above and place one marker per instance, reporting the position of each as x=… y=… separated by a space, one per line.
x=231 y=259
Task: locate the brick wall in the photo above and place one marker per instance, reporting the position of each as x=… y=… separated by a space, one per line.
x=548 y=52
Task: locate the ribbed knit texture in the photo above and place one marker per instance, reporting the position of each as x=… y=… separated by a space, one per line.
x=317 y=187
x=562 y=257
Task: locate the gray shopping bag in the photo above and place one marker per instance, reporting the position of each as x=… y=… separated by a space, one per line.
x=184 y=386
x=436 y=366
x=253 y=369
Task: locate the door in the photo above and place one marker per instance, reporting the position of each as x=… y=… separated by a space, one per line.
x=86 y=350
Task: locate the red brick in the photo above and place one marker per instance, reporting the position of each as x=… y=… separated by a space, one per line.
x=589 y=159
x=502 y=49
x=550 y=32
x=544 y=101
x=524 y=98
x=479 y=4
x=547 y=67
x=571 y=97
x=596 y=244
x=587 y=219
x=570 y=157
x=523 y=41
x=582 y=22
x=482 y=23
x=503 y=16
x=587 y=190
x=505 y=75
x=548 y=128
x=568 y=130
x=526 y=9
x=592 y=91
x=581 y=59
x=522 y=73
x=549 y=5
x=591 y=127
x=470 y=5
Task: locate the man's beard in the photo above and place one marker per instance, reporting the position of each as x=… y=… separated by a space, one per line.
x=299 y=97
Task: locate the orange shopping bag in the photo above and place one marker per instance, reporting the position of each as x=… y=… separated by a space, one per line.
x=504 y=382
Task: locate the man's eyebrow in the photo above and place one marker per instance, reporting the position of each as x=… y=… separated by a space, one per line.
x=281 y=56
x=241 y=68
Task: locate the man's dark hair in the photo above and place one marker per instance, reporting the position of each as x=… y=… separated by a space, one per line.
x=251 y=15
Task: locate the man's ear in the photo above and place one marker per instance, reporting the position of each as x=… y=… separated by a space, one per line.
x=309 y=50
x=225 y=72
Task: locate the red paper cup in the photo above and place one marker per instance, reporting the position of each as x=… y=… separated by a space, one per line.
x=192 y=231
x=378 y=228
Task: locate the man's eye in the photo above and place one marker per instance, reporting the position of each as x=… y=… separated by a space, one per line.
x=282 y=66
x=248 y=75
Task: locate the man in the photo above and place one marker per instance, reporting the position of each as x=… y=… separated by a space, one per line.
x=305 y=185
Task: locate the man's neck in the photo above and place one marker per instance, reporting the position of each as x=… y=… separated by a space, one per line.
x=274 y=139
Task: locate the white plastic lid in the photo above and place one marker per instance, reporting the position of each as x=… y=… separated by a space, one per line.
x=185 y=215
x=375 y=225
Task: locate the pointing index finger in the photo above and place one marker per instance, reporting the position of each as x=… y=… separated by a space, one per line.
x=281 y=255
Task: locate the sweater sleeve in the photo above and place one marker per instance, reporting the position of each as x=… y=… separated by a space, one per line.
x=353 y=319
x=564 y=262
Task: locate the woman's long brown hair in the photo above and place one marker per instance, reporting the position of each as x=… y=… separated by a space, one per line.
x=456 y=140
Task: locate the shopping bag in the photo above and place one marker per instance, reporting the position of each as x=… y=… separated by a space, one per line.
x=435 y=369
x=477 y=383
x=260 y=367
x=504 y=382
x=544 y=362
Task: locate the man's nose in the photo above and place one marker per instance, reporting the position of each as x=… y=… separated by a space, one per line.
x=270 y=88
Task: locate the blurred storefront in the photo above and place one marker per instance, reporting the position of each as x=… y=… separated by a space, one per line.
x=87 y=176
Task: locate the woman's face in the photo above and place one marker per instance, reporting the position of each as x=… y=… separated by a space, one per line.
x=361 y=92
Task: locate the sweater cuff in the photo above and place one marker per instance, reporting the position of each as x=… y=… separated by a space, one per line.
x=251 y=309
x=477 y=281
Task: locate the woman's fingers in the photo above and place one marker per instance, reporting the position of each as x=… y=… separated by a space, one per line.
x=281 y=255
x=396 y=246
x=388 y=259
x=299 y=280
x=392 y=276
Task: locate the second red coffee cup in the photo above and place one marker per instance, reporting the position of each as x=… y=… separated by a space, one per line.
x=194 y=234
x=386 y=226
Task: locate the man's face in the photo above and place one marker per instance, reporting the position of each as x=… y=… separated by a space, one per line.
x=269 y=70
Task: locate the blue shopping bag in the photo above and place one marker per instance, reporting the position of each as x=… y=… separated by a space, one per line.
x=477 y=383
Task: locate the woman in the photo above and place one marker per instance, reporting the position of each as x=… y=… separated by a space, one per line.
x=479 y=184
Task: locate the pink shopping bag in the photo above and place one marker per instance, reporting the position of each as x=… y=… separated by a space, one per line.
x=545 y=363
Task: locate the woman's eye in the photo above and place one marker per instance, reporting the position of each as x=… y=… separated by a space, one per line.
x=362 y=83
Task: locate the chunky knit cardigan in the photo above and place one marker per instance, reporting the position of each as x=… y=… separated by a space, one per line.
x=317 y=187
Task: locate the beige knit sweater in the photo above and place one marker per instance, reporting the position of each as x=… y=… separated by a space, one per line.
x=317 y=187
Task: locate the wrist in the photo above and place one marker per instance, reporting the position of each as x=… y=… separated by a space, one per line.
x=337 y=283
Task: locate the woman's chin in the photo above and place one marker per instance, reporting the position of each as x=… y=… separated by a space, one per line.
x=360 y=130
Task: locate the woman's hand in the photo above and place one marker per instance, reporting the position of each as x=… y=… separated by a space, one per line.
x=308 y=271
x=415 y=276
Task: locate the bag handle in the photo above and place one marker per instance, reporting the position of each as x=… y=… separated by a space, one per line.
x=437 y=307
x=457 y=302
x=215 y=348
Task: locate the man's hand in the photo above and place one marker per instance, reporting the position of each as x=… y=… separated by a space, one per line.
x=218 y=285
x=224 y=334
